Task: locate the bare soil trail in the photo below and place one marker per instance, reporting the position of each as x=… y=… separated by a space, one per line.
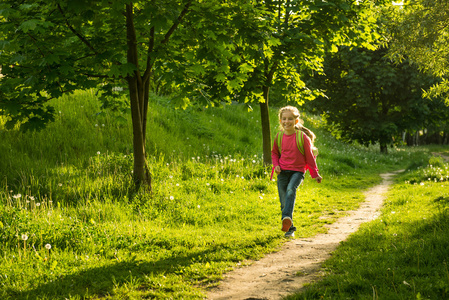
x=445 y=157
x=284 y=272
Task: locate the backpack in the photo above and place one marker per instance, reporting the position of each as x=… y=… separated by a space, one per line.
x=299 y=140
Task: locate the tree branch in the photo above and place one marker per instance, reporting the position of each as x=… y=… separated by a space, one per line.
x=147 y=73
x=177 y=22
x=167 y=36
x=83 y=39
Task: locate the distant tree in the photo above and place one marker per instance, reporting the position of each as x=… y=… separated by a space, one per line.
x=419 y=31
x=49 y=48
x=299 y=35
x=370 y=99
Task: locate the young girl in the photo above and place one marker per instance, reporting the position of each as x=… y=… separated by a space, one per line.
x=290 y=164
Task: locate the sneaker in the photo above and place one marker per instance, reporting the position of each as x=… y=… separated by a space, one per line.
x=286 y=224
x=290 y=233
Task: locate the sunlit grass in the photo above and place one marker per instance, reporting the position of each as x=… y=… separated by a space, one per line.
x=90 y=235
x=401 y=255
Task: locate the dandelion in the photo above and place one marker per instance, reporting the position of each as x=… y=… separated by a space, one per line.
x=24 y=238
x=422 y=183
x=47 y=246
x=38 y=204
x=98 y=152
x=199 y=206
x=96 y=125
x=31 y=198
x=260 y=197
x=172 y=198
x=207 y=183
x=59 y=184
x=17 y=196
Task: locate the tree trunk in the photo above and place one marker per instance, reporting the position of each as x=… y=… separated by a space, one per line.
x=266 y=132
x=138 y=94
x=383 y=149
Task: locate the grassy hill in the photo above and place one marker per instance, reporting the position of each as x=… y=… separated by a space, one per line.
x=73 y=227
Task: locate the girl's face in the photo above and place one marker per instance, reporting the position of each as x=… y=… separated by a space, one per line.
x=288 y=121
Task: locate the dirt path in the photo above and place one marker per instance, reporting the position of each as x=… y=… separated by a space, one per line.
x=298 y=262
x=445 y=157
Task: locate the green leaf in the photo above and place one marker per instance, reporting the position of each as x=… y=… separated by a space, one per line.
x=29 y=25
x=127 y=69
x=114 y=71
x=245 y=68
x=220 y=77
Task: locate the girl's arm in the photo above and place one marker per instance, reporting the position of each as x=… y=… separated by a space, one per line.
x=310 y=159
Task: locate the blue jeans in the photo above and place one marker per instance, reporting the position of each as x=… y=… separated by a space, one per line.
x=288 y=183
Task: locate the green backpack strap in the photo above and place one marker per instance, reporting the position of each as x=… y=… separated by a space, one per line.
x=299 y=140
x=279 y=136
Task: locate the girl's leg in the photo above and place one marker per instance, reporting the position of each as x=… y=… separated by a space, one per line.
x=294 y=181
x=282 y=182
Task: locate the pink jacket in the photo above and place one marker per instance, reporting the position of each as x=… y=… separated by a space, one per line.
x=291 y=159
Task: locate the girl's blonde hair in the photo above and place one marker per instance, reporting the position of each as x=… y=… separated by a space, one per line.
x=299 y=125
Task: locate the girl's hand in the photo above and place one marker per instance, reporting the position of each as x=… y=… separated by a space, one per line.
x=277 y=169
x=318 y=179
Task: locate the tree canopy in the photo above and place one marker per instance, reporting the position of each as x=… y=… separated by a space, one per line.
x=372 y=100
x=418 y=30
x=51 y=47
x=296 y=38
x=204 y=50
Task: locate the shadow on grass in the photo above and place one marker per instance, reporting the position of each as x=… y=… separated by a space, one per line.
x=392 y=259
x=100 y=282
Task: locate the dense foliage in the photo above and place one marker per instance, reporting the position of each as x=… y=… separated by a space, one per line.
x=418 y=30
x=372 y=100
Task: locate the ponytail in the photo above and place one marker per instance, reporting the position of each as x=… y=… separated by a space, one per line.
x=309 y=133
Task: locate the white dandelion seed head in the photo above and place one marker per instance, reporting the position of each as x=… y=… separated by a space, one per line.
x=47 y=246
x=24 y=237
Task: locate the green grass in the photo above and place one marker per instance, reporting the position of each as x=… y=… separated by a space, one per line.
x=401 y=255
x=69 y=187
